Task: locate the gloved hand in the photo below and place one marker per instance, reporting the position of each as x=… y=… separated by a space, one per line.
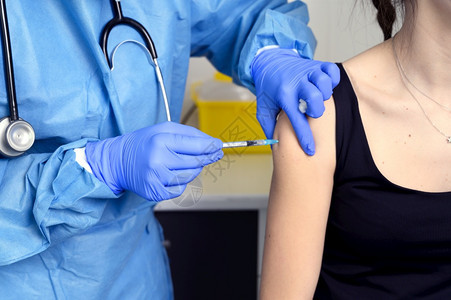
x=282 y=78
x=155 y=162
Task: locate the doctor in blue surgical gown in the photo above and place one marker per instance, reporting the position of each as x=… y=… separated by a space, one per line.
x=76 y=227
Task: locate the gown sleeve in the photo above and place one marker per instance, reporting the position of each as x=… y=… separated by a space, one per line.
x=230 y=32
x=46 y=198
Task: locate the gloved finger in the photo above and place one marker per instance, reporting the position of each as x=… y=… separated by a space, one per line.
x=191 y=145
x=183 y=177
x=168 y=177
x=151 y=189
x=302 y=129
x=314 y=98
x=266 y=116
x=174 y=191
x=322 y=81
x=332 y=71
x=182 y=162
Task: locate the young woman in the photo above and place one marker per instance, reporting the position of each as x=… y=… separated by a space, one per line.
x=369 y=215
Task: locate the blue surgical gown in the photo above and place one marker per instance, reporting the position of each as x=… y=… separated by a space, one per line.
x=63 y=233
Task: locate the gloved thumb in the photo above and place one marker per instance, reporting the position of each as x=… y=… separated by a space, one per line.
x=266 y=116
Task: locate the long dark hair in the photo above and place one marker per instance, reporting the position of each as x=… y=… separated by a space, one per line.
x=386 y=16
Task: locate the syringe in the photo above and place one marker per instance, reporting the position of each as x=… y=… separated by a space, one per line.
x=249 y=143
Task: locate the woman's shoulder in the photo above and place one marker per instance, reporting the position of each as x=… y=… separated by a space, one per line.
x=368 y=57
x=374 y=75
x=373 y=69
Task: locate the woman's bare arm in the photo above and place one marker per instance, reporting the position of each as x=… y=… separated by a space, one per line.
x=298 y=209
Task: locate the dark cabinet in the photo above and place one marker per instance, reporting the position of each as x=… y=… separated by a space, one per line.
x=212 y=254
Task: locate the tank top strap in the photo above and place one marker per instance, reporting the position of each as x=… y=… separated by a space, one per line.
x=354 y=158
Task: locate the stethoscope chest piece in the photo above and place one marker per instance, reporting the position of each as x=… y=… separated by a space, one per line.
x=16 y=137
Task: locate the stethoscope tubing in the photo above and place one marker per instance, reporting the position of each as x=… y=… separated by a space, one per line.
x=119 y=19
x=8 y=64
x=17 y=135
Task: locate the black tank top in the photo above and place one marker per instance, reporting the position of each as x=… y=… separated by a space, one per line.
x=383 y=241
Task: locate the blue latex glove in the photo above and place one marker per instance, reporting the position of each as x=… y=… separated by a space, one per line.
x=155 y=162
x=282 y=77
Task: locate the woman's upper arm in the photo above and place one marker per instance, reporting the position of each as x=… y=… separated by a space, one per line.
x=298 y=209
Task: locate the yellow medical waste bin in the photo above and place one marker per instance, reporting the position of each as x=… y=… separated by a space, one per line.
x=227 y=111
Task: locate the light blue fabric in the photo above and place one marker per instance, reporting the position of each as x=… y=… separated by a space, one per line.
x=63 y=233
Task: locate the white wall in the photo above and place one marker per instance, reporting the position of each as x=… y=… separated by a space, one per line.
x=343 y=28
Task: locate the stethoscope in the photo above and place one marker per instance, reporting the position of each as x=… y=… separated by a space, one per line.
x=17 y=135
